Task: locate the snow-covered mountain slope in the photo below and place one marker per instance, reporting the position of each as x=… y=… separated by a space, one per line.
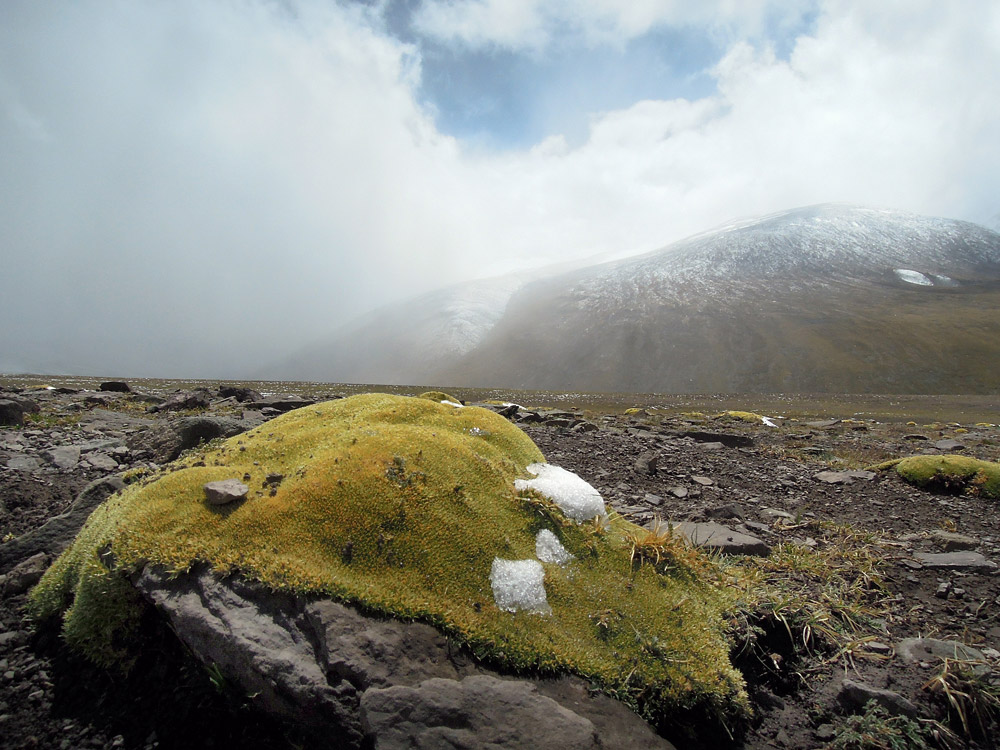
x=824 y=298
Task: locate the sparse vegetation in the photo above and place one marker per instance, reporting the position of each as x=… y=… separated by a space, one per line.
x=876 y=729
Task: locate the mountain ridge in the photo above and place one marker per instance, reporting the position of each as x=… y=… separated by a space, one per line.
x=820 y=298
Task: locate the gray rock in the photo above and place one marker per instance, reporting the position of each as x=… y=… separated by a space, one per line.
x=25 y=574
x=11 y=413
x=585 y=427
x=949 y=541
x=646 y=463
x=856 y=694
x=678 y=491
x=916 y=650
x=225 y=491
x=479 y=712
x=240 y=394
x=282 y=403
x=102 y=461
x=843 y=477
x=703 y=481
x=335 y=672
x=115 y=386
x=55 y=534
x=65 y=457
x=729 y=510
x=164 y=443
x=955 y=561
x=949 y=444
x=715 y=536
x=730 y=441
x=182 y=401
x=23 y=463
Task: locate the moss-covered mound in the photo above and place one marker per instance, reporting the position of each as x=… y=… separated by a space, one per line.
x=950 y=473
x=402 y=505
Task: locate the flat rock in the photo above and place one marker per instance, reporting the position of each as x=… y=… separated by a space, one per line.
x=856 y=694
x=730 y=441
x=916 y=650
x=225 y=491
x=65 y=457
x=722 y=538
x=949 y=444
x=955 y=561
x=23 y=463
x=843 y=477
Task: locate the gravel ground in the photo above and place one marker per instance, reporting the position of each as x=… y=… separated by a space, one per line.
x=648 y=466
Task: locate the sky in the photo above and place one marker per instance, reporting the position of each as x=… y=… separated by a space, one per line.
x=194 y=188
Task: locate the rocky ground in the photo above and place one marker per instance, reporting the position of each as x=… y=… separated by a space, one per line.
x=853 y=563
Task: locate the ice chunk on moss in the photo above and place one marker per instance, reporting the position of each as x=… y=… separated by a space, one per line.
x=549 y=549
x=518 y=585
x=575 y=497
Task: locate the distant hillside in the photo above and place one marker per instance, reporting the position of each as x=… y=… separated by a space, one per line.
x=821 y=299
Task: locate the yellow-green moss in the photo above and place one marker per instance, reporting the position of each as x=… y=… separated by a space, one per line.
x=741 y=416
x=440 y=396
x=949 y=473
x=401 y=505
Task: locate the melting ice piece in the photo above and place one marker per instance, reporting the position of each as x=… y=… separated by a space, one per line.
x=518 y=586
x=577 y=499
x=549 y=549
x=912 y=277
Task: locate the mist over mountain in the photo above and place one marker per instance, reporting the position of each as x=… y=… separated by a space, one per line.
x=825 y=298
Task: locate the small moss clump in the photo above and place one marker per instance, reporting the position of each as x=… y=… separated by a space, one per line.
x=401 y=505
x=440 y=397
x=741 y=416
x=949 y=473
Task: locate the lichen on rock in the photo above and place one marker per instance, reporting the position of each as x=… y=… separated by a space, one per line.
x=401 y=506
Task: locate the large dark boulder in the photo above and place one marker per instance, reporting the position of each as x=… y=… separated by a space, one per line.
x=351 y=680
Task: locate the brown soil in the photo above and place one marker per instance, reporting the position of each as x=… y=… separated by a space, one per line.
x=49 y=699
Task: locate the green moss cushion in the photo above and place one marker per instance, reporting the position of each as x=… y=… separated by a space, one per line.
x=403 y=506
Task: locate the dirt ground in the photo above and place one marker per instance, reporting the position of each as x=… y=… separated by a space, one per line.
x=745 y=474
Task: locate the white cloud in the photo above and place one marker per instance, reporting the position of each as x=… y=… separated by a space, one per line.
x=533 y=24
x=190 y=188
